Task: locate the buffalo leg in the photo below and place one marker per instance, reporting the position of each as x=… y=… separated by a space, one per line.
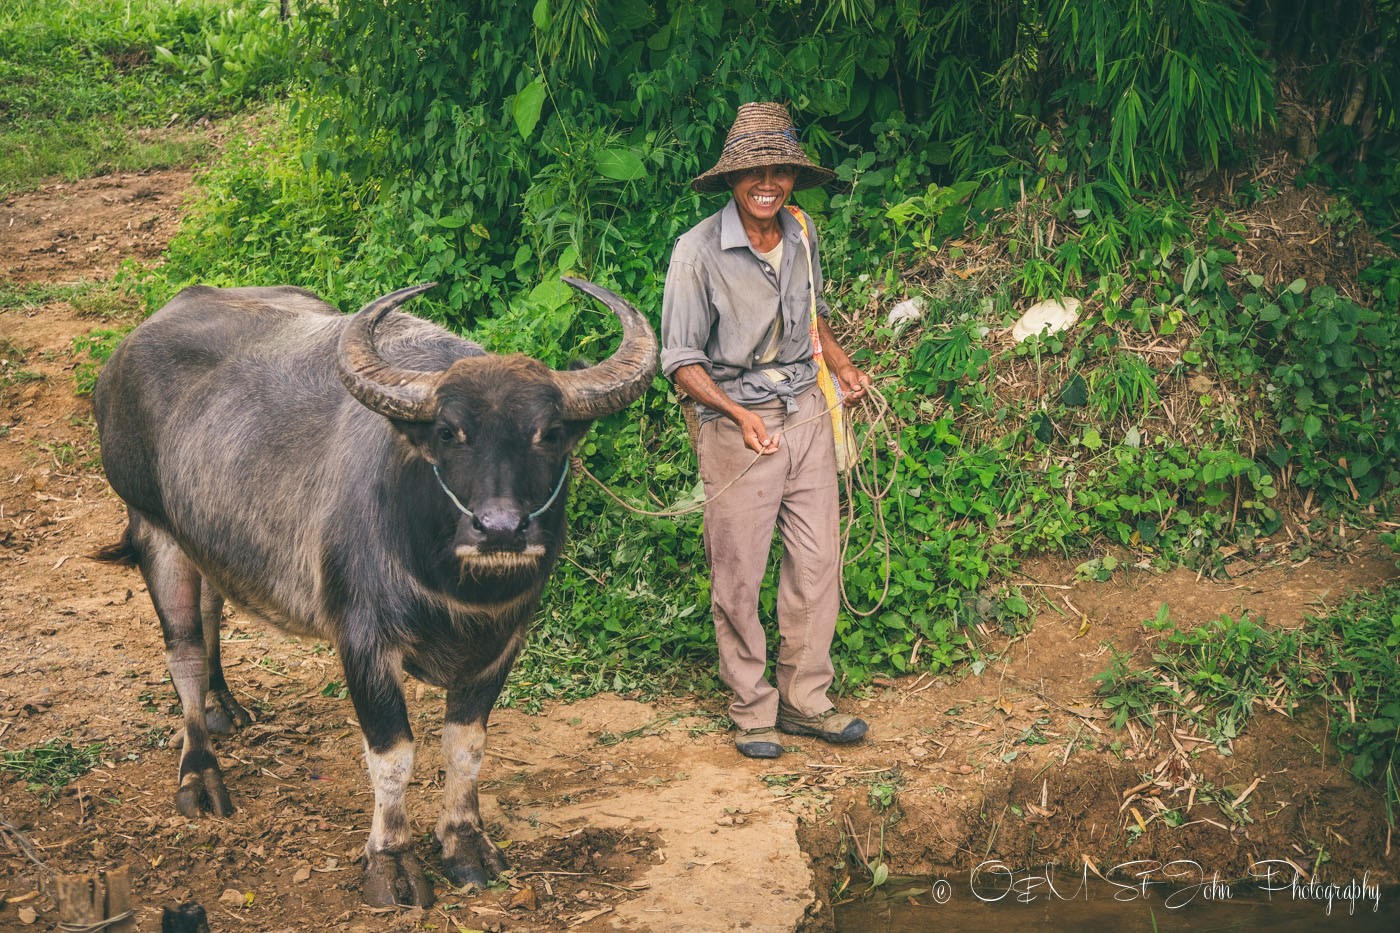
x=393 y=874
x=222 y=713
x=174 y=583
x=468 y=855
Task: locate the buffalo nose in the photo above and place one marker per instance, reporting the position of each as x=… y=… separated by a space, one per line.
x=500 y=525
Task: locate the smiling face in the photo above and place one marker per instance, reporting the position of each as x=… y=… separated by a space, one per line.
x=761 y=192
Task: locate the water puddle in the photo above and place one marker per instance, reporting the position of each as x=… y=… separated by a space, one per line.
x=1147 y=897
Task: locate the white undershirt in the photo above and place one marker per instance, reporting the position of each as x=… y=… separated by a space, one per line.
x=769 y=353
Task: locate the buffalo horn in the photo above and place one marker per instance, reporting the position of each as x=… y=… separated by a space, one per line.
x=402 y=394
x=621 y=379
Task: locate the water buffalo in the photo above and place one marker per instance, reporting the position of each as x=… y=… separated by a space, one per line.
x=372 y=480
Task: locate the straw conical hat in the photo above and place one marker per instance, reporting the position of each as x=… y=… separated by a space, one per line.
x=762 y=134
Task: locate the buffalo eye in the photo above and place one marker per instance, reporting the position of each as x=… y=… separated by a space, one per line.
x=447 y=435
x=551 y=436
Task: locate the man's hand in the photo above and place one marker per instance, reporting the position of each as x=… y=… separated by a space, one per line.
x=695 y=381
x=854 y=384
x=756 y=437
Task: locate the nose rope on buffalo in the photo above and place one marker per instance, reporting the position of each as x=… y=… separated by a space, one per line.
x=558 y=487
x=863 y=476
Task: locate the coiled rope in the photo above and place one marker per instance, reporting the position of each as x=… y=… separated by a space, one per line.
x=863 y=476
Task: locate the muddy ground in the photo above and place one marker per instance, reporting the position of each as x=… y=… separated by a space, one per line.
x=617 y=814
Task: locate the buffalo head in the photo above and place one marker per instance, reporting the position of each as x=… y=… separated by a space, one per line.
x=496 y=431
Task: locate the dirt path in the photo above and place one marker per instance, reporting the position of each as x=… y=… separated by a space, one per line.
x=619 y=814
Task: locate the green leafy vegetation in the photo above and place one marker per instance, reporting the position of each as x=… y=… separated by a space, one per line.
x=92 y=350
x=1214 y=676
x=48 y=768
x=90 y=86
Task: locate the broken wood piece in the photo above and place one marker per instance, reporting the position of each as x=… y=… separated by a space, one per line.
x=79 y=900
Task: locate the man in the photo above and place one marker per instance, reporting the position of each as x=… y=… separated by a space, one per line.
x=736 y=339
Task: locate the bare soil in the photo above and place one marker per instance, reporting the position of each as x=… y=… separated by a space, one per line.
x=618 y=814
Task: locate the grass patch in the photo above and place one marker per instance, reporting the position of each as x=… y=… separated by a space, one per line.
x=91 y=299
x=12 y=371
x=48 y=150
x=92 y=350
x=28 y=295
x=48 y=768
x=93 y=86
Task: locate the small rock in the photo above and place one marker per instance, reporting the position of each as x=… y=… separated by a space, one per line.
x=36 y=705
x=27 y=915
x=301 y=875
x=232 y=898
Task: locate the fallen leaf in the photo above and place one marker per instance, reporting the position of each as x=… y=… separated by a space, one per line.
x=27 y=915
x=523 y=899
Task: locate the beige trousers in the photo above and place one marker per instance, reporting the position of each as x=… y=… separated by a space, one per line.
x=795 y=491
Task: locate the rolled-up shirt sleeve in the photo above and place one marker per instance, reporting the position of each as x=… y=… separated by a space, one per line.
x=687 y=317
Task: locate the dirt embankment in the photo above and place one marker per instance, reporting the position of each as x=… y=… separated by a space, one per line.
x=619 y=814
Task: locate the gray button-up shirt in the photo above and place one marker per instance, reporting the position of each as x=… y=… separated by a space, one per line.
x=721 y=300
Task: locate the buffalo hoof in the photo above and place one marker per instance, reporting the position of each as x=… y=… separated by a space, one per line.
x=465 y=873
x=203 y=792
x=395 y=878
x=222 y=713
x=472 y=859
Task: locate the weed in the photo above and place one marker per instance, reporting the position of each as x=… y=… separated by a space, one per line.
x=1358 y=647
x=94 y=348
x=81 y=456
x=1214 y=675
x=155 y=737
x=12 y=371
x=883 y=794
x=1211 y=676
x=1099 y=569
x=48 y=768
x=271 y=665
x=1126 y=385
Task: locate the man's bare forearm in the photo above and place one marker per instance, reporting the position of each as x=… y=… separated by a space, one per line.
x=701 y=387
x=697 y=383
